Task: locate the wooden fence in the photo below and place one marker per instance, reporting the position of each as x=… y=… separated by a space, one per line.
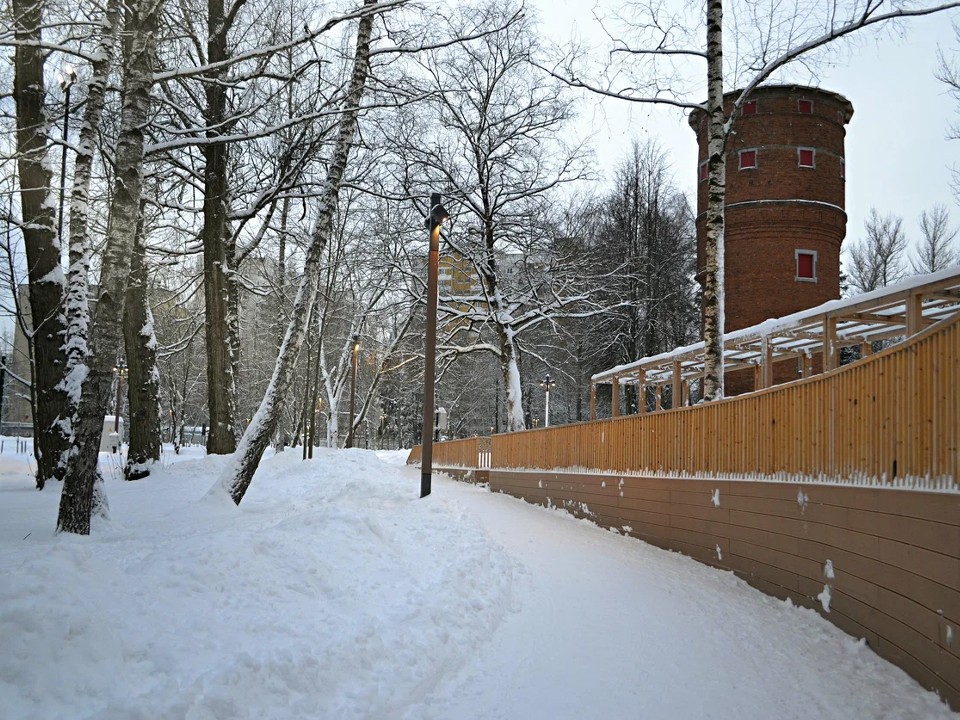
x=894 y=414
x=471 y=452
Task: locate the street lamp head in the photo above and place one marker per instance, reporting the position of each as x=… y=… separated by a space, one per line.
x=438 y=214
x=68 y=77
x=547 y=383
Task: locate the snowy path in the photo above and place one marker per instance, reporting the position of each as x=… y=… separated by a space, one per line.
x=334 y=592
x=610 y=627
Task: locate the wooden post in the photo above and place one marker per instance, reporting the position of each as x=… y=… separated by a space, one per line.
x=593 y=401
x=615 y=396
x=914 y=314
x=659 y=397
x=641 y=391
x=830 y=355
x=866 y=350
x=766 y=362
x=677 y=400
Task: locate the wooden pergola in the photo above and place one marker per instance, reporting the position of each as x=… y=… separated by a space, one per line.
x=896 y=313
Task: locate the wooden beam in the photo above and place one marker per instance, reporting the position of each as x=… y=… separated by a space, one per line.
x=615 y=396
x=914 y=314
x=642 y=392
x=677 y=394
x=593 y=401
x=831 y=358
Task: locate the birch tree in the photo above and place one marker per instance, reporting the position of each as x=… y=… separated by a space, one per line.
x=236 y=479
x=76 y=308
x=651 y=65
x=83 y=476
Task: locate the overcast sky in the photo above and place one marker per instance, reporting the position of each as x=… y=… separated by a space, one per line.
x=898 y=159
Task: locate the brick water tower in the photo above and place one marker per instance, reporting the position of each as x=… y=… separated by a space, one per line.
x=784 y=215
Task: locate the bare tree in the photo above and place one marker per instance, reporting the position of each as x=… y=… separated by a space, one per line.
x=496 y=155
x=648 y=68
x=83 y=477
x=936 y=249
x=51 y=416
x=143 y=386
x=236 y=479
x=877 y=259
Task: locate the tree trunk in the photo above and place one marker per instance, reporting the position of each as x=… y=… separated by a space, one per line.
x=77 y=308
x=716 y=182
x=76 y=501
x=237 y=478
x=221 y=382
x=50 y=412
x=143 y=387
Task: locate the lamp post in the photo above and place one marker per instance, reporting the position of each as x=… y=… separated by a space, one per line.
x=547 y=383
x=120 y=370
x=434 y=219
x=66 y=82
x=353 y=390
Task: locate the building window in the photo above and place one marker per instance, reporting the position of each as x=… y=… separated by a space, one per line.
x=843 y=169
x=748 y=159
x=806 y=265
x=750 y=108
x=805 y=107
x=806 y=157
x=703 y=171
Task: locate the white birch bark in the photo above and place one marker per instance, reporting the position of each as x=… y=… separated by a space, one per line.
x=238 y=475
x=77 y=499
x=716 y=193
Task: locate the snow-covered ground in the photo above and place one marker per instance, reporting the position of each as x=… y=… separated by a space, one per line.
x=334 y=592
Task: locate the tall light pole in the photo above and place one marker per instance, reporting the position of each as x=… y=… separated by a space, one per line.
x=547 y=383
x=353 y=390
x=120 y=369
x=66 y=82
x=434 y=219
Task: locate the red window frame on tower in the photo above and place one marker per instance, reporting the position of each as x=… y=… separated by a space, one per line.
x=805 y=106
x=703 y=171
x=806 y=157
x=748 y=159
x=750 y=108
x=806 y=265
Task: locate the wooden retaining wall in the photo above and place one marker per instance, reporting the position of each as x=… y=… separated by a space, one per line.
x=894 y=553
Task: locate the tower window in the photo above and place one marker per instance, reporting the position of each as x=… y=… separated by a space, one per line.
x=806 y=157
x=805 y=107
x=843 y=169
x=806 y=265
x=748 y=159
x=703 y=171
x=750 y=108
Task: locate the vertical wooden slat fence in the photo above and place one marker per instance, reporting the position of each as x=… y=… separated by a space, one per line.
x=894 y=414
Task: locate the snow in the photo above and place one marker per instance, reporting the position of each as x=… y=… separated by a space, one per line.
x=334 y=592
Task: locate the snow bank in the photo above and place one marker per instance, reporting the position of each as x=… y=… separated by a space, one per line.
x=331 y=592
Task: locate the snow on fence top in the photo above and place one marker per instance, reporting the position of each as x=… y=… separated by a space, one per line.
x=894 y=312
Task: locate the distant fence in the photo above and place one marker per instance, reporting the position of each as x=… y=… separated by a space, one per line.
x=471 y=452
x=881 y=562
